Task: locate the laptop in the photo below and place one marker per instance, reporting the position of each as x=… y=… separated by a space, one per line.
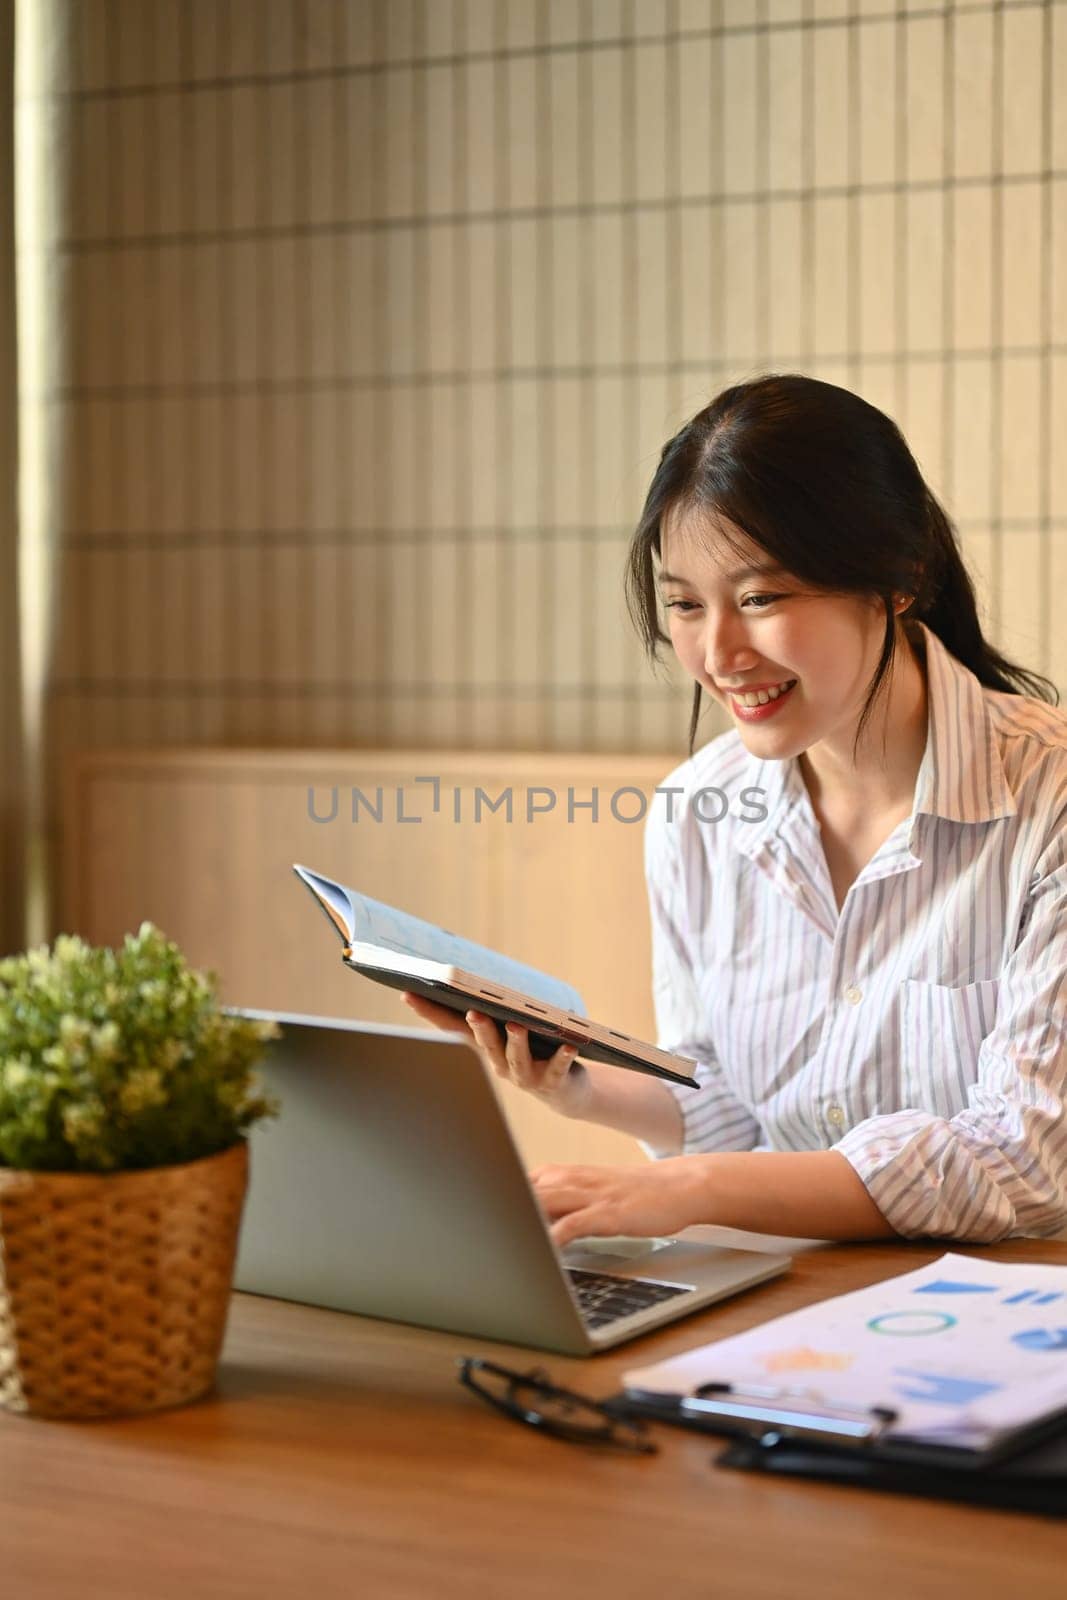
x=390 y=1186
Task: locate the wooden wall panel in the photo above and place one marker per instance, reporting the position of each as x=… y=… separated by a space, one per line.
x=202 y=843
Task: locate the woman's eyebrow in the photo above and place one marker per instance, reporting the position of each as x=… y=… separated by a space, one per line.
x=731 y=577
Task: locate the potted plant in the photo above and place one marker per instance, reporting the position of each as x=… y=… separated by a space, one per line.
x=125 y=1094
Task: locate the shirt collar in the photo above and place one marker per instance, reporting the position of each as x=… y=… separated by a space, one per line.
x=961 y=776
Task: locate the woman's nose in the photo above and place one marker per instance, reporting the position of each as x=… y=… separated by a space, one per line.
x=727 y=652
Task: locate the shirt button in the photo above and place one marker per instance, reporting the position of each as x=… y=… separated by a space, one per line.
x=835 y=1115
x=853 y=995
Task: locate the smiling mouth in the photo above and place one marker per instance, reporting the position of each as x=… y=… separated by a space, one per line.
x=762 y=697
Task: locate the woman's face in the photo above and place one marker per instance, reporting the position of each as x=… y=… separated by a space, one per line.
x=735 y=631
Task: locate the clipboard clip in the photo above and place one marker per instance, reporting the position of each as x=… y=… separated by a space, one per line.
x=768 y=1415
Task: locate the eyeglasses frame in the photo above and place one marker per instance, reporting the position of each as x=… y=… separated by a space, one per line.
x=622 y=1432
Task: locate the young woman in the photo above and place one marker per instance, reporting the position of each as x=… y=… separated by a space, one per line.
x=867 y=957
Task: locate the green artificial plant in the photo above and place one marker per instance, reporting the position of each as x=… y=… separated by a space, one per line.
x=112 y=1060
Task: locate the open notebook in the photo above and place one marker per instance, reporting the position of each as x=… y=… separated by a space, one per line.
x=405 y=952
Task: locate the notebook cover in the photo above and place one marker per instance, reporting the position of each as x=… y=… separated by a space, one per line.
x=1035 y=1481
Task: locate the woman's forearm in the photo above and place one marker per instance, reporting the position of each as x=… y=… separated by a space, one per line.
x=809 y=1194
x=635 y=1104
x=806 y=1194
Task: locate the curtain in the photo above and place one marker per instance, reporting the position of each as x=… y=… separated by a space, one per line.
x=12 y=762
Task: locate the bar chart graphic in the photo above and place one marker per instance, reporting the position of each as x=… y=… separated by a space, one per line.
x=1041 y=1339
x=1027 y=1297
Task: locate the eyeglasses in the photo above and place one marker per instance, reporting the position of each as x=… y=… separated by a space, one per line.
x=532 y=1397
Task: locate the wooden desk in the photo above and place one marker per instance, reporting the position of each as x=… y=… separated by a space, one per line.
x=340 y=1457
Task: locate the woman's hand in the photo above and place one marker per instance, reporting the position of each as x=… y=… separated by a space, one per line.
x=559 y=1081
x=662 y=1198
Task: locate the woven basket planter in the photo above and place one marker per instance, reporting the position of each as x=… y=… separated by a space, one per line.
x=114 y=1289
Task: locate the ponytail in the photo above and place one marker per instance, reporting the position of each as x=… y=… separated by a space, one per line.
x=946 y=602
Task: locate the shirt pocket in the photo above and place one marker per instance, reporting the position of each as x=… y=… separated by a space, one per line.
x=941 y=1035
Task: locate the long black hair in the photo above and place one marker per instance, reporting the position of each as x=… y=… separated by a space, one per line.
x=825 y=483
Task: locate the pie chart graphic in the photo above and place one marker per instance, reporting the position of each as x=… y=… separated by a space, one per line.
x=1042 y=1339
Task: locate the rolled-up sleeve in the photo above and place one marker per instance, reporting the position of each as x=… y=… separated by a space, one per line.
x=712 y=1115
x=997 y=1169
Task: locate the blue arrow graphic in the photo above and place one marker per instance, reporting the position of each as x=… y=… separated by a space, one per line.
x=935 y=1389
x=947 y=1286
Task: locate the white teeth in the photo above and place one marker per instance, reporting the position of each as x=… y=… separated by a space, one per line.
x=764 y=697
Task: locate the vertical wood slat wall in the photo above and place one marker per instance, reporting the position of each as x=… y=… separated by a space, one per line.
x=534 y=854
x=372 y=318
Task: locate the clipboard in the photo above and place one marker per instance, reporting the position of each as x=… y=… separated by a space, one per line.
x=774 y=1433
x=949 y=1380
x=769 y=1416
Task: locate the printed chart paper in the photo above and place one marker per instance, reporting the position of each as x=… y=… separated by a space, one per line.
x=963 y=1350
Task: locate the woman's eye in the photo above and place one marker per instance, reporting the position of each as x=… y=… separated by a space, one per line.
x=758 y=602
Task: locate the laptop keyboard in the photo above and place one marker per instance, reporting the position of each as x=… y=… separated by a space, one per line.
x=604 y=1298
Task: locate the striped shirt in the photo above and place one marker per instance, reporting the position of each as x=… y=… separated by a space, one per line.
x=922 y=1030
